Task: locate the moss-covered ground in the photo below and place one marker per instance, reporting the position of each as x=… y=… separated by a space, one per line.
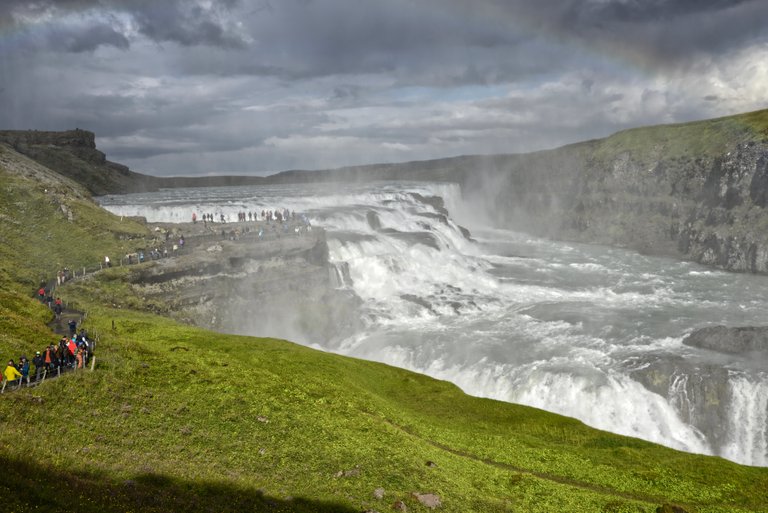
x=179 y=418
x=698 y=139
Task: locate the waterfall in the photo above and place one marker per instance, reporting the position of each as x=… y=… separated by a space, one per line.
x=747 y=434
x=517 y=318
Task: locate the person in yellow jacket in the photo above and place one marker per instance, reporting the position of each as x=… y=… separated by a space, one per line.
x=11 y=372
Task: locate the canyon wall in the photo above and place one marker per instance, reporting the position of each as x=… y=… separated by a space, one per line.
x=283 y=288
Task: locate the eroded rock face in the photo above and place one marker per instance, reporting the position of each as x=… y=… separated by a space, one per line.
x=281 y=288
x=730 y=340
x=73 y=154
x=725 y=228
x=710 y=208
x=699 y=392
x=72 y=138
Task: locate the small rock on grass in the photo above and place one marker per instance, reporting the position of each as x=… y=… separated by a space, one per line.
x=399 y=506
x=348 y=473
x=378 y=493
x=429 y=500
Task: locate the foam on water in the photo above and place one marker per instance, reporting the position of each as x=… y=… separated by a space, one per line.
x=748 y=421
x=612 y=402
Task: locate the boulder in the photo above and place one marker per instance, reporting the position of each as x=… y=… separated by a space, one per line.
x=742 y=340
x=429 y=500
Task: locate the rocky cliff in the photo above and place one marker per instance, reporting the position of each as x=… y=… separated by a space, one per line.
x=705 y=394
x=697 y=191
x=73 y=154
x=281 y=287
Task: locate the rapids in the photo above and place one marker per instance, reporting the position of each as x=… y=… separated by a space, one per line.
x=564 y=327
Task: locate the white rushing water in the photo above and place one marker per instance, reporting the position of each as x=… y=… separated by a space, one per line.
x=564 y=327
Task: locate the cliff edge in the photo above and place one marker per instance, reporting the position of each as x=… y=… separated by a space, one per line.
x=73 y=154
x=696 y=191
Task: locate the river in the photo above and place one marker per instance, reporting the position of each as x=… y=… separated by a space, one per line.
x=570 y=328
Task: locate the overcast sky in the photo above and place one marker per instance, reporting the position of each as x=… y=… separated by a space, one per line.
x=191 y=87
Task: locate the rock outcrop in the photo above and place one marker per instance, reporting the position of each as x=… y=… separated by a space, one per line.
x=282 y=288
x=73 y=154
x=743 y=340
x=697 y=191
x=699 y=392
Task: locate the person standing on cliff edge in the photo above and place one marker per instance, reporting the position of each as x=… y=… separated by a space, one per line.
x=194 y=217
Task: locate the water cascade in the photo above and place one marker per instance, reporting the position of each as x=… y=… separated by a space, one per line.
x=590 y=332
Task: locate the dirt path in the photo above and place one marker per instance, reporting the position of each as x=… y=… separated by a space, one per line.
x=60 y=326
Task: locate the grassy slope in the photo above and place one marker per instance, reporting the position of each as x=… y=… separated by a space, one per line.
x=704 y=138
x=35 y=204
x=37 y=240
x=177 y=417
x=179 y=405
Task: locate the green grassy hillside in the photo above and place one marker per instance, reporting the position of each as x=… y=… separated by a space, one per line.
x=47 y=223
x=706 y=138
x=175 y=417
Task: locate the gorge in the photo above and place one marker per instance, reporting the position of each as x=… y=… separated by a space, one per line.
x=473 y=270
x=692 y=191
x=587 y=331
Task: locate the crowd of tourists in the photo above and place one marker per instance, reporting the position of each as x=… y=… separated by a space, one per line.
x=278 y=215
x=70 y=353
x=273 y=218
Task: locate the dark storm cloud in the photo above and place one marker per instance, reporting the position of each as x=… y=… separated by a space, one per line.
x=86 y=39
x=331 y=82
x=320 y=37
x=659 y=31
x=186 y=22
x=450 y=42
x=656 y=10
x=310 y=39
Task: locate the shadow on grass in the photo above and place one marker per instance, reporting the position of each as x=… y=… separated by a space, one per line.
x=27 y=486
